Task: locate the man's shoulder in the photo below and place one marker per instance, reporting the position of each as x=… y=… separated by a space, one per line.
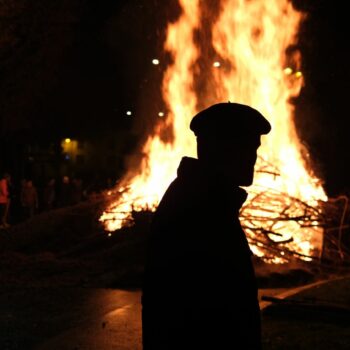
x=181 y=191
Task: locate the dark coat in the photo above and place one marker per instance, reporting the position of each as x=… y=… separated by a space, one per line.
x=199 y=288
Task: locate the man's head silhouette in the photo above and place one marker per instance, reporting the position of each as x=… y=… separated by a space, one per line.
x=228 y=136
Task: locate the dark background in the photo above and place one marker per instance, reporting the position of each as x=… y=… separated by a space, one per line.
x=72 y=68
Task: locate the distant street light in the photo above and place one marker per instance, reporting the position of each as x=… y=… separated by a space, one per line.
x=155 y=61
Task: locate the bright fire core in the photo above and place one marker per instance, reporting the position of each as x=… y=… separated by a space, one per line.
x=241 y=51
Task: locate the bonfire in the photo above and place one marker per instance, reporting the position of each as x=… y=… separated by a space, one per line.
x=239 y=51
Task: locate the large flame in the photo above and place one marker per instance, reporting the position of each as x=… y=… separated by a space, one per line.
x=245 y=58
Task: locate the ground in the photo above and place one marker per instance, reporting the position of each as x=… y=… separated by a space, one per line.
x=65 y=284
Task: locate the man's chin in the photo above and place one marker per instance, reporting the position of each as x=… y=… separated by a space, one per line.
x=239 y=180
x=246 y=182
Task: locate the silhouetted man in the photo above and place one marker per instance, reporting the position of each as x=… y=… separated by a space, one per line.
x=199 y=288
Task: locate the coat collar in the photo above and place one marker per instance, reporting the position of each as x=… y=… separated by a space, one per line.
x=191 y=171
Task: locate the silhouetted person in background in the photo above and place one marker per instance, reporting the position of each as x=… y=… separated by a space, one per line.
x=49 y=195
x=65 y=192
x=77 y=190
x=5 y=179
x=199 y=288
x=29 y=199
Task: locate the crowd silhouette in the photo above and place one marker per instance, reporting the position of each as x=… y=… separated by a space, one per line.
x=23 y=200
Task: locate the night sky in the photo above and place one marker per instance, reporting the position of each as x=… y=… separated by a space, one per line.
x=73 y=68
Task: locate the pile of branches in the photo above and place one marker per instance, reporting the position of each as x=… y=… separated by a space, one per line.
x=274 y=221
x=279 y=225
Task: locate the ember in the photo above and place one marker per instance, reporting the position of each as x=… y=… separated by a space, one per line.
x=284 y=213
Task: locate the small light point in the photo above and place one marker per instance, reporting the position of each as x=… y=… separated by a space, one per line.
x=288 y=71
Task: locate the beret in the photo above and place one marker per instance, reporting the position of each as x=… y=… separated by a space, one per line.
x=229 y=118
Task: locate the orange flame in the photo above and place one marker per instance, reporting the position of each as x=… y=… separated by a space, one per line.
x=250 y=40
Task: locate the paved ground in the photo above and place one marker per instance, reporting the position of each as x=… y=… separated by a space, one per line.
x=106 y=319
x=74 y=318
x=118 y=329
x=69 y=318
x=313 y=318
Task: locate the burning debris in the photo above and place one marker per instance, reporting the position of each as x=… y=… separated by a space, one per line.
x=279 y=227
x=285 y=226
x=287 y=212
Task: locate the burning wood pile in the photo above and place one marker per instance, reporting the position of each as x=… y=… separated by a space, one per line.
x=247 y=53
x=279 y=227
